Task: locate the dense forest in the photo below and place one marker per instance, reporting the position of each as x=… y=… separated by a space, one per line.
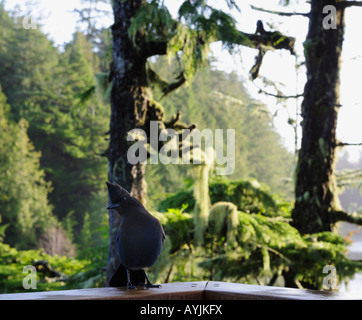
x=55 y=111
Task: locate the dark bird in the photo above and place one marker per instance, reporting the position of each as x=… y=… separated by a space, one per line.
x=260 y=27
x=139 y=238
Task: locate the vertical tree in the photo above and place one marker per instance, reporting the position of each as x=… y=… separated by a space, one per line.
x=143 y=29
x=316 y=204
x=128 y=104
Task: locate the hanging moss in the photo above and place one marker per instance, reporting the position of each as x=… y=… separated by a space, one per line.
x=224 y=220
x=202 y=198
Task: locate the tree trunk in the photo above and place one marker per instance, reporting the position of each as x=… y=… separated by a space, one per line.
x=132 y=105
x=128 y=111
x=315 y=191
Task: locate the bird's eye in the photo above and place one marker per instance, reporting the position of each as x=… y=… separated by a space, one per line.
x=124 y=198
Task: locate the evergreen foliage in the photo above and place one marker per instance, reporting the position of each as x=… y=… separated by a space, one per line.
x=44 y=86
x=249 y=243
x=13 y=261
x=24 y=206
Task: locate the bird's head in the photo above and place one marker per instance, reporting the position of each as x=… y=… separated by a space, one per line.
x=117 y=195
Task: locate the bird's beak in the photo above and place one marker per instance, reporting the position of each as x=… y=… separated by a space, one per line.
x=113 y=206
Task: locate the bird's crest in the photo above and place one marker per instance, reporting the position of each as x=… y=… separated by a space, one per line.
x=116 y=194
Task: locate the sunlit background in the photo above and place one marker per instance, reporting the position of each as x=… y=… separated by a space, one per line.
x=58 y=20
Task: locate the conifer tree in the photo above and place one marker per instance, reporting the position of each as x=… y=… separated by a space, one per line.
x=24 y=206
x=45 y=87
x=317 y=206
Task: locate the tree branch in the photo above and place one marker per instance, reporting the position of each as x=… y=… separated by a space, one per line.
x=166 y=87
x=153 y=48
x=261 y=40
x=180 y=80
x=254 y=72
x=279 y=96
x=347 y=217
x=347 y=4
x=343 y=144
x=280 y=13
x=269 y=40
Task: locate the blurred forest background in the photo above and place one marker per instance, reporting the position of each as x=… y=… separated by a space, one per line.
x=54 y=119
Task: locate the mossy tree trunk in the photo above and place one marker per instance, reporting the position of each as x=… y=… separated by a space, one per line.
x=132 y=105
x=316 y=198
x=128 y=109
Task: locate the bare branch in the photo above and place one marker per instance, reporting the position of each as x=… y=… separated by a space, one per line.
x=279 y=96
x=280 y=13
x=254 y=72
x=343 y=144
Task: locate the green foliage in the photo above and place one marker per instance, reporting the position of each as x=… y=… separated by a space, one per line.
x=252 y=242
x=85 y=236
x=178 y=200
x=23 y=190
x=154 y=20
x=2 y=230
x=248 y=195
x=211 y=24
x=238 y=246
x=13 y=261
x=45 y=87
x=188 y=37
x=178 y=226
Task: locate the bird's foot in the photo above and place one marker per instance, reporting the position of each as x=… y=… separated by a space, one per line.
x=150 y=285
x=131 y=286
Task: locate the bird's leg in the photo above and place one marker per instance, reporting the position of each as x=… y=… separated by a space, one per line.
x=149 y=284
x=129 y=284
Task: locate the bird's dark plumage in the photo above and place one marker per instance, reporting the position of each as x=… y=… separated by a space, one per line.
x=139 y=239
x=260 y=27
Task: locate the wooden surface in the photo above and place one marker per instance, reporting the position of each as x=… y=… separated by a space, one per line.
x=168 y=291
x=202 y=290
x=236 y=291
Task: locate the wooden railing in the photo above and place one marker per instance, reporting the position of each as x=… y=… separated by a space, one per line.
x=203 y=290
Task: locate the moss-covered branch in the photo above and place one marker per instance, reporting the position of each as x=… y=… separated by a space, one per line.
x=339 y=215
x=165 y=87
x=269 y=40
x=155 y=32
